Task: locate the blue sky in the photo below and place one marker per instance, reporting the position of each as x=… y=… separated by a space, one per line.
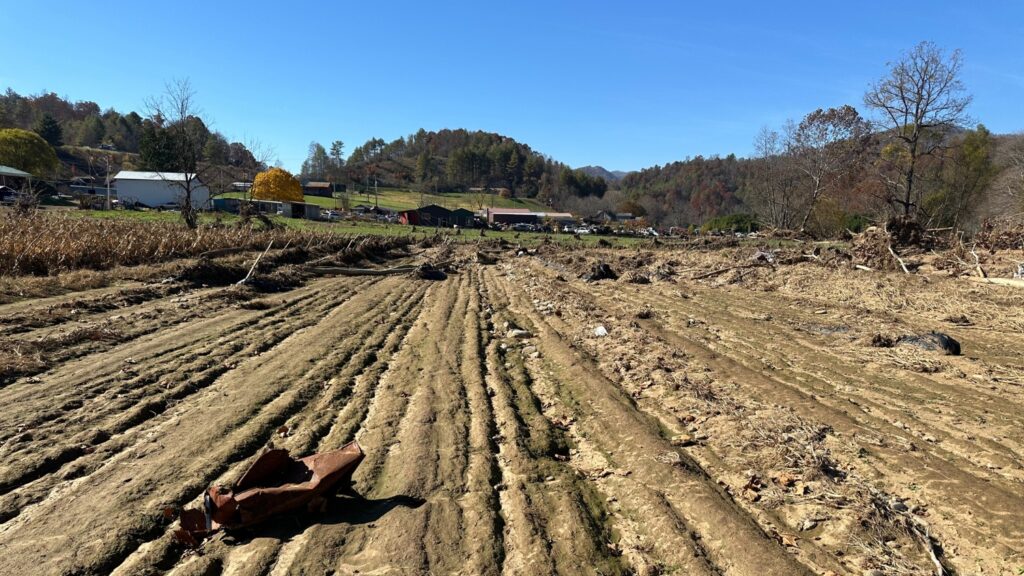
x=621 y=84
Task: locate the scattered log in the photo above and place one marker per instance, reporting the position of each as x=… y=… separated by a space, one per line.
x=257 y=261
x=223 y=252
x=898 y=259
x=977 y=264
x=346 y=271
x=1014 y=282
x=723 y=270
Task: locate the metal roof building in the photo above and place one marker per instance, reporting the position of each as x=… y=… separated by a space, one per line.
x=159 y=188
x=8 y=172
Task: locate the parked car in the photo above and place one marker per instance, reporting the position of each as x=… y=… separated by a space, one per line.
x=523 y=227
x=331 y=215
x=583 y=230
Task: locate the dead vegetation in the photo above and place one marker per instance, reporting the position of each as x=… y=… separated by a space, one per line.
x=43 y=245
x=756 y=409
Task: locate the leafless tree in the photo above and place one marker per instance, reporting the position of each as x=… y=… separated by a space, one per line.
x=772 y=188
x=1015 y=182
x=826 y=146
x=177 y=110
x=918 y=103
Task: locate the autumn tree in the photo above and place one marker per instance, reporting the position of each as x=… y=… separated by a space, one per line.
x=27 y=151
x=276 y=184
x=918 y=103
x=826 y=146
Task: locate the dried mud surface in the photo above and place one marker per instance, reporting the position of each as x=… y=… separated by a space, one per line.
x=738 y=424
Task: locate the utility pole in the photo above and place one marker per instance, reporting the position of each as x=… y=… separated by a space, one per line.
x=108 y=182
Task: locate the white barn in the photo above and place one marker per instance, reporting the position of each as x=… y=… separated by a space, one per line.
x=158 y=188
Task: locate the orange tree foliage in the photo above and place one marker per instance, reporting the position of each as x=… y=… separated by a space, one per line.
x=276 y=184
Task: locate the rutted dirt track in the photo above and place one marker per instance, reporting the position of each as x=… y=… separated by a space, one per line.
x=727 y=427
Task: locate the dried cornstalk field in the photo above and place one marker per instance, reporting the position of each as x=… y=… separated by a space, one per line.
x=45 y=244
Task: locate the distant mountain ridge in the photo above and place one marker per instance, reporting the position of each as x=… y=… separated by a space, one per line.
x=610 y=176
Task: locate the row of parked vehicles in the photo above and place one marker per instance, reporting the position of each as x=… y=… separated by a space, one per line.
x=584 y=229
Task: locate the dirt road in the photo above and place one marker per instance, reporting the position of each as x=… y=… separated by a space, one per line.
x=720 y=427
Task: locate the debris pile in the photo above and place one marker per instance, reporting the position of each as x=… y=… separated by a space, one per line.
x=1001 y=234
x=600 y=271
x=427 y=271
x=637 y=278
x=485 y=258
x=886 y=248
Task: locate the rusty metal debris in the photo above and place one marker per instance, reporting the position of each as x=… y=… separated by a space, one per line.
x=275 y=484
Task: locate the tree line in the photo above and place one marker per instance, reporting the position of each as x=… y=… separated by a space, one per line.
x=62 y=122
x=915 y=156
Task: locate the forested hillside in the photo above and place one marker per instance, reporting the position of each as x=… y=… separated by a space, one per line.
x=75 y=127
x=453 y=160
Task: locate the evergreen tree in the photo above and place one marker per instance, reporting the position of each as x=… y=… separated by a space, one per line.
x=50 y=130
x=91 y=132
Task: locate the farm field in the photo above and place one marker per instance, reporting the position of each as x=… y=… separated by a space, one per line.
x=353 y=227
x=698 y=415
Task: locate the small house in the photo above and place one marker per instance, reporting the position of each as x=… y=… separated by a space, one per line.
x=323 y=189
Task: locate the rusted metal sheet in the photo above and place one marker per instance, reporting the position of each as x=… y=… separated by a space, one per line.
x=275 y=484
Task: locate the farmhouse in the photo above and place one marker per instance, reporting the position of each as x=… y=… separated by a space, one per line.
x=323 y=189
x=159 y=188
x=606 y=217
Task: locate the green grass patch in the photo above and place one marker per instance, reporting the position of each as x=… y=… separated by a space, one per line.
x=528 y=239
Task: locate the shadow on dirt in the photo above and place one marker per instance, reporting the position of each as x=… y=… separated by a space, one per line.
x=350 y=509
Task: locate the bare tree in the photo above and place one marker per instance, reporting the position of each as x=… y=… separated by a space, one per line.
x=918 y=103
x=177 y=110
x=1015 y=185
x=826 y=146
x=771 y=189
